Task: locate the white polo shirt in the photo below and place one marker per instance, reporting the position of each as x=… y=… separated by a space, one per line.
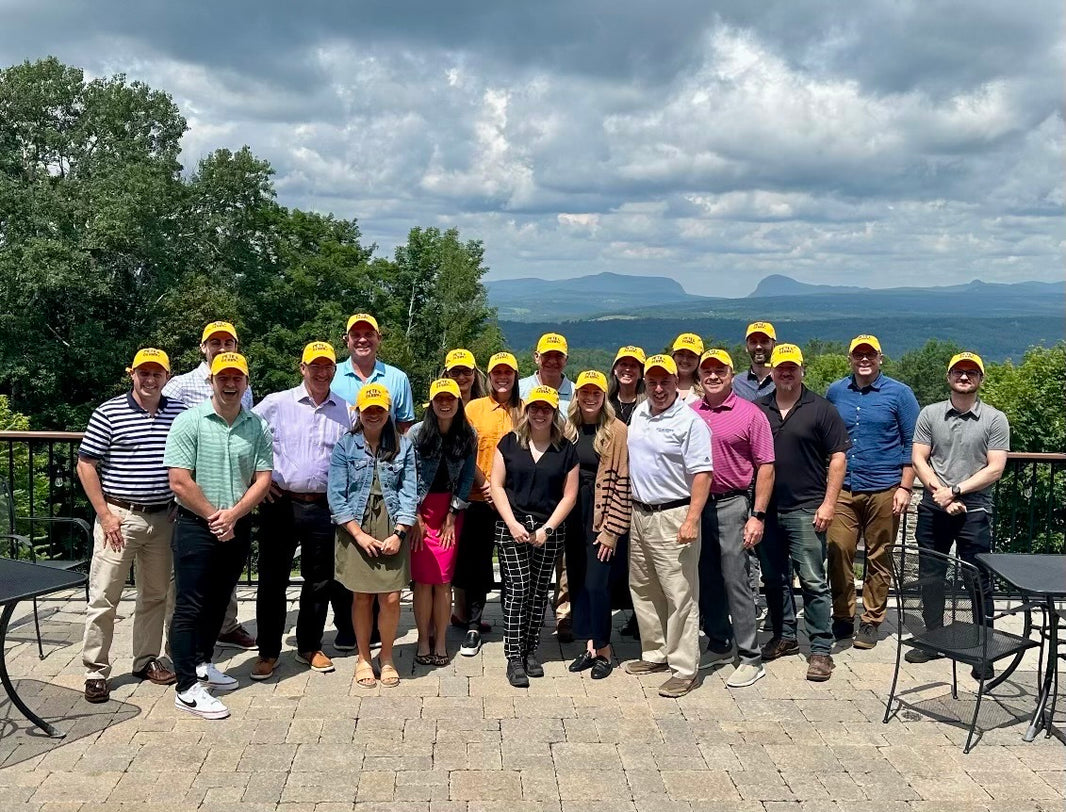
x=666 y=451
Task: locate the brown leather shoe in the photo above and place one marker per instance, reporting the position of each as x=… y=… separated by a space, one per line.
x=779 y=647
x=238 y=638
x=317 y=660
x=819 y=667
x=676 y=687
x=644 y=667
x=156 y=673
x=264 y=668
x=97 y=691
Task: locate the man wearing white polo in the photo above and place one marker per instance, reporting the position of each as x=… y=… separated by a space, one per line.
x=670 y=475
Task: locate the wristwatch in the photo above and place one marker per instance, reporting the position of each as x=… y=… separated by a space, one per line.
x=956 y=490
x=548 y=531
x=400 y=534
x=759 y=514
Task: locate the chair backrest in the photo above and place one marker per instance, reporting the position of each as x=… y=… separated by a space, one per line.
x=938 y=591
x=7 y=508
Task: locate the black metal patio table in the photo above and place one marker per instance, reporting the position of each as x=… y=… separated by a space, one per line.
x=1041 y=578
x=20 y=581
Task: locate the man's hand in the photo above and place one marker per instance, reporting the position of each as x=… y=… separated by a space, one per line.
x=943 y=496
x=112 y=527
x=688 y=532
x=955 y=508
x=222 y=522
x=273 y=493
x=824 y=515
x=753 y=530
x=900 y=500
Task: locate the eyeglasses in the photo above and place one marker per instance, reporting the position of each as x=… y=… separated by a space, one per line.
x=969 y=373
x=859 y=355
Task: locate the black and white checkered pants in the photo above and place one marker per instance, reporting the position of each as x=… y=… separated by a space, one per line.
x=527 y=572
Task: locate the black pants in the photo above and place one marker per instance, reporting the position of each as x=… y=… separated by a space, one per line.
x=287 y=523
x=473 y=560
x=588 y=578
x=206 y=571
x=971 y=533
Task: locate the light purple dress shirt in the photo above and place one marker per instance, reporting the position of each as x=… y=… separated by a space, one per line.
x=304 y=436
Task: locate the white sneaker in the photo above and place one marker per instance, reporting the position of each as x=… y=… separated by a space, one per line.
x=745 y=675
x=211 y=677
x=198 y=701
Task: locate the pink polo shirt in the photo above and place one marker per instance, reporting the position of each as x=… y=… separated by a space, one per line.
x=740 y=440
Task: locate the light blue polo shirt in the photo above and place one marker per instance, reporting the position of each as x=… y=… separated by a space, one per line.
x=346 y=384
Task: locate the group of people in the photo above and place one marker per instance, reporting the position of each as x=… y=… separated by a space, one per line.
x=699 y=485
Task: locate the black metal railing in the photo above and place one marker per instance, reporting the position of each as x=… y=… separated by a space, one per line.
x=1030 y=498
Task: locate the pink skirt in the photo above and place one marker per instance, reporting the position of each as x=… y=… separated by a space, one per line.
x=432 y=564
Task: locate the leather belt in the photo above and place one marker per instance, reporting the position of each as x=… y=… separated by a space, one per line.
x=304 y=497
x=676 y=503
x=134 y=508
x=718 y=497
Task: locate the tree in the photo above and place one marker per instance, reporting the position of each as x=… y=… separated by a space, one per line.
x=925 y=370
x=1031 y=394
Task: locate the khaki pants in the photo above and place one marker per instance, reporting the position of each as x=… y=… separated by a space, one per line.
x=561 y=600
x=664 y=581
x=147 y=547
x=868 y=515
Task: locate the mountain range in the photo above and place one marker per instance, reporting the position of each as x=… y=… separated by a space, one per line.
x=606 y=310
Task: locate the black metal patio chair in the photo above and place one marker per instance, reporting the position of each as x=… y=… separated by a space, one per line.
x=940 y=602
x=23 y=547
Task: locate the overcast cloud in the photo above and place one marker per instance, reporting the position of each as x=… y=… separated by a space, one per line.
x=886 y=142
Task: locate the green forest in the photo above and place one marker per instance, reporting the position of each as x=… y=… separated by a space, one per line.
x=107 y=244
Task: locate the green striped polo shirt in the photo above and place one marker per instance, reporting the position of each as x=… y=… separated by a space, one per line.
x=223 y=458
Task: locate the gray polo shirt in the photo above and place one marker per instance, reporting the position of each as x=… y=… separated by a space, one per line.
x=960 y=442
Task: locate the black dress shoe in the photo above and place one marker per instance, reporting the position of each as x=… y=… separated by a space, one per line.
x=601 y=667
x=584 y=661
x=533 y=666
x=516 y=674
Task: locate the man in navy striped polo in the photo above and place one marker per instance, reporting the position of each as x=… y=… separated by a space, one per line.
x=120 y=465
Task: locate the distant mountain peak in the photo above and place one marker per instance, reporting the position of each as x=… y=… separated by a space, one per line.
x=781 y=285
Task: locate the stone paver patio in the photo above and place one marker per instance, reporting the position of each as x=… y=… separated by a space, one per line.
x=460 y=739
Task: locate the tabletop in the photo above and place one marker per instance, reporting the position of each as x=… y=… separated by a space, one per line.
x=20 y=580
x=1035 y=574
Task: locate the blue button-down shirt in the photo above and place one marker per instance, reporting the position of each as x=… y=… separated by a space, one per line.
x=880 y=419
x=746 y=385
x=347 y=384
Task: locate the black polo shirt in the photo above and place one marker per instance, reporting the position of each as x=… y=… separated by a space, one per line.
x=803 y=442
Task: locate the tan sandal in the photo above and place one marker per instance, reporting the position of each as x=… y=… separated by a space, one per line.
x=364 y=674
x=390 y=677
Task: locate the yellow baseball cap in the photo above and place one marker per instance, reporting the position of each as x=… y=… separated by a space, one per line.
x=629 y=351
x=366 y=318
x=218 y=327
x=967 y=356
x=718 y=355
x=866 y=340
x=662 y=362
x=229 y=360
x=459 y=358
x=373 y=394
x=552 y=342
x=503 y=359
x=150 y=355
x=318 y=349
x=591 y=377
x=444 y=386
x=688 y=341
x=543 y=394
x=763 y=327
x=786 y=354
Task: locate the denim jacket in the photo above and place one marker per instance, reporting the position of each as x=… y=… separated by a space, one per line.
x=460 y=472
x=351 y=473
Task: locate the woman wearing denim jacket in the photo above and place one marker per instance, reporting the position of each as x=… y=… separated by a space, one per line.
x=373 y=496
x=445 y=448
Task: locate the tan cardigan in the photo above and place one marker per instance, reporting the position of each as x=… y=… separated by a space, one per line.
x=613 y=504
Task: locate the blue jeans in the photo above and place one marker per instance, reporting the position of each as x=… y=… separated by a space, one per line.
x=792 y=536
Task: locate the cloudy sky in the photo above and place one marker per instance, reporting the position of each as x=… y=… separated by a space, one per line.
x=883 y=142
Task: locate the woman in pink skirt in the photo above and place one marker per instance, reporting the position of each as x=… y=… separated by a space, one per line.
x=445 y=448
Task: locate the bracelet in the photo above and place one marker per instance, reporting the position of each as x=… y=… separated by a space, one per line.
x=904 y=488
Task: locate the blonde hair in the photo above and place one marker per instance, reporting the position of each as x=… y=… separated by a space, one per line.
x=558 y=429
x=602 y=441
